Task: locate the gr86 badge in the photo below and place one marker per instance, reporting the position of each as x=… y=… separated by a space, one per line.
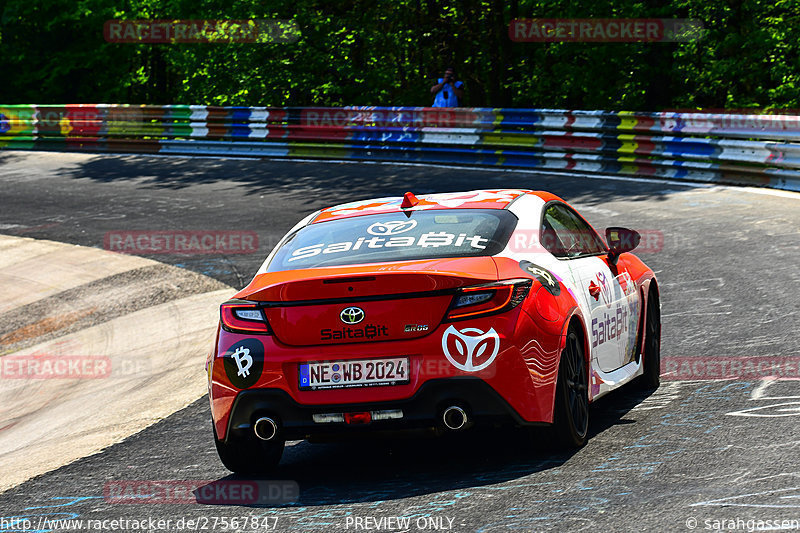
x=244 y=362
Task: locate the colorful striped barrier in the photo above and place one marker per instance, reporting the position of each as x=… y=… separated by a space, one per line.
x=761 y=150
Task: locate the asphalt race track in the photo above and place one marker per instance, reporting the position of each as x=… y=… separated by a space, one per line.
x=696 y=454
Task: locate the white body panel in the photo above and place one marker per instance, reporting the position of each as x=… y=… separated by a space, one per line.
x=610 y=321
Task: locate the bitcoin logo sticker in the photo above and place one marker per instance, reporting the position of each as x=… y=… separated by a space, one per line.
x=244 y=362
x=242 y=354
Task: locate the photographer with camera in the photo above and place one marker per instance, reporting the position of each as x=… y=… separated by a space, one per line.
x=449 y=91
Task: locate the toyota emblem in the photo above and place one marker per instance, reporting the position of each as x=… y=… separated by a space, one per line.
x=352 y=315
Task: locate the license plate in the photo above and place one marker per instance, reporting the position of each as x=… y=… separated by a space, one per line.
x=360 y=373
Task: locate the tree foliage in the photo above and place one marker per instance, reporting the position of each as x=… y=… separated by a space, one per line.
x=368 y=52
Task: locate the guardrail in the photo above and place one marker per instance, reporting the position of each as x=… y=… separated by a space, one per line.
x=761 y=150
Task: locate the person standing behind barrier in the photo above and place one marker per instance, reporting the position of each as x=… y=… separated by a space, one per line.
x=448 y=91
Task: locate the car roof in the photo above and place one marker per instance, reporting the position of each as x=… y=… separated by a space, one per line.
x=478 y=199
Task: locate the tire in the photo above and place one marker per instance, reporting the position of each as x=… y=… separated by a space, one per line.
x=249 y=455
x=651 y=376
x=571 y=415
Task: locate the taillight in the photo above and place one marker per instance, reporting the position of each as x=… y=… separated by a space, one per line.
x=489 y=299
x=241 y=316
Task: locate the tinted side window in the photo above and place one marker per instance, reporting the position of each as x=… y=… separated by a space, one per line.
x=564 y=234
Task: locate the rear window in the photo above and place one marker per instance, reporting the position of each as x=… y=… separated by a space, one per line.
x=386 y=237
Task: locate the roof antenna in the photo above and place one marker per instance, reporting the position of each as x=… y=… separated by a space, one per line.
x=409 y=200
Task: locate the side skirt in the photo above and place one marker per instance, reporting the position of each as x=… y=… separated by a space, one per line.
x=601 y=383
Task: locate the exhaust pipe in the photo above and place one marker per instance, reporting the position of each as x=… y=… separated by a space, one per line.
x=454 y=418
x=265 y=428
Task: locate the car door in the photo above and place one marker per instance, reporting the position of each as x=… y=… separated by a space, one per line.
x=603 y=292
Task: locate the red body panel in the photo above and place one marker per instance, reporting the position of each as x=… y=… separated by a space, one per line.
x=517 y=373
x=320 y=324
x=355 y=281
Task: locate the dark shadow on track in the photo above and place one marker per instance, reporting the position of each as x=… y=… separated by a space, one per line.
x=10 y=157
x=339 y=181
x=382 y=469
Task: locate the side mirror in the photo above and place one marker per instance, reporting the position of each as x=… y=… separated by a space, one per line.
x=621 y=240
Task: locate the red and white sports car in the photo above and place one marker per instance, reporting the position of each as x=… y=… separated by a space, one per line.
x=438 y=311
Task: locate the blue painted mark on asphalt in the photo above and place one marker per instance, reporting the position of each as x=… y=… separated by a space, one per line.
x=72 y=501
x=40 y=522
x=723 y=393
x=638 y=443
x=615 y=463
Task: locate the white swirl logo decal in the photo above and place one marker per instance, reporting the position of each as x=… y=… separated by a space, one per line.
x=393 y=227
x=470 y=349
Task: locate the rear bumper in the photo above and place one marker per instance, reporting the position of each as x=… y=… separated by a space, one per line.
x=423 y=410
